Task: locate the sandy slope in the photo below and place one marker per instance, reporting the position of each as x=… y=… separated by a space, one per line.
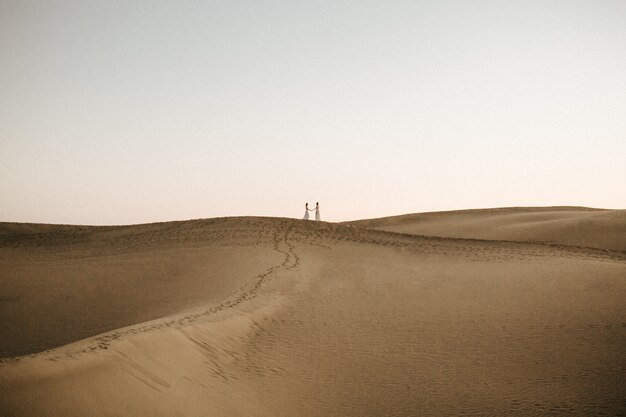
x=63 y=283
x=334 y=320
x=577 y=226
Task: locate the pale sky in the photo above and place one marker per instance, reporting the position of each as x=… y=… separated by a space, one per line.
x=118 y=112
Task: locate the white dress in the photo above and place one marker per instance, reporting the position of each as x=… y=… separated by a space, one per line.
x=306 y=215
x=317 y=214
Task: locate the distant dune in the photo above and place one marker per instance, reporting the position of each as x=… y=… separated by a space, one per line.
x=251 y=316
x=578 y=226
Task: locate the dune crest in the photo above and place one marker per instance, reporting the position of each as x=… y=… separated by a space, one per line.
x=575 y=226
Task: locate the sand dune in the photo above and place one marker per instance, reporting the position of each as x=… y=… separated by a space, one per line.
x=280 y=317
x=63 y=283
x=578 y=226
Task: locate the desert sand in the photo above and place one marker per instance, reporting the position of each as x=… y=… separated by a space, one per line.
x=495 y=312
x=575 y=226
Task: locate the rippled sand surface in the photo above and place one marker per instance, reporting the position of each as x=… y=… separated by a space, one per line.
x=280 y=317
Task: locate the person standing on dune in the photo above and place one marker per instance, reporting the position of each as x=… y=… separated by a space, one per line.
x=306 y=212
x=317 y=212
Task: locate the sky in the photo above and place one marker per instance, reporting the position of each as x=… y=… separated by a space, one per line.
x=122 y=112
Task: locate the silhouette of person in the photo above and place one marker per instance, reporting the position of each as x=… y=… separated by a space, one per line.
x=306 y=212
x=317 y=212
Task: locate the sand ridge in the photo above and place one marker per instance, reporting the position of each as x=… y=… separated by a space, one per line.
x=216 y=248
x=573 y=226
x=316 y=318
